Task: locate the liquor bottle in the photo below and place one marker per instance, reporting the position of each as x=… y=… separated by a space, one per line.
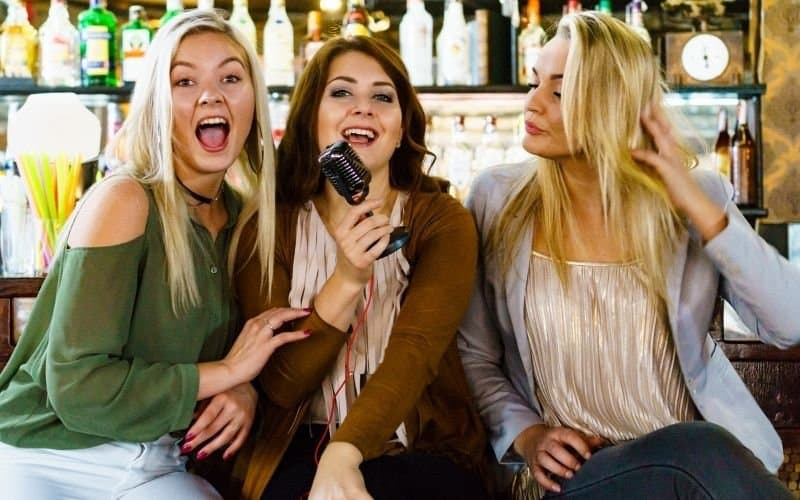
x=59 y=49
x=572 y=6
x=279 y=44
x=18 y=43
x=240 y=18
x=635 y=18
x=135 y=39
x=98 y=29
x=722 y=146
x=416 y=42
x=458 y=157
x=356 y=19
x=743 y=161
x=530 y=43
x=314 y=39
x=604 y=6
x=174 y=7
x=491 y=150
x=452 y=47
x=205 y=4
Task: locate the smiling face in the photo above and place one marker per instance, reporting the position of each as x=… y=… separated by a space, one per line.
x=544 y=123
x=359 y=104
x=213 y=103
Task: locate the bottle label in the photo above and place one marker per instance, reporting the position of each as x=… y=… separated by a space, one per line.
x=96 y=61
x=135 y=43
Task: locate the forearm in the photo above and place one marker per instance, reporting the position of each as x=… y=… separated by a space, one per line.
x=337 y=300
x=215 y=377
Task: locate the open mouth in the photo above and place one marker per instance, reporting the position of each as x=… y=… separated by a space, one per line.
x=359 y=135
x=213 y=133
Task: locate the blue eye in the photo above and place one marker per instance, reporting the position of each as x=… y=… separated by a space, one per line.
x=384 y=98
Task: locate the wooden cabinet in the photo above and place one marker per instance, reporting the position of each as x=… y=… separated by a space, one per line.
x=12 y=290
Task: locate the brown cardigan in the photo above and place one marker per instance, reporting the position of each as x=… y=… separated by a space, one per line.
x=419 y=382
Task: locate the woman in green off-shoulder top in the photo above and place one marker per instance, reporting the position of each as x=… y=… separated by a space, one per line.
x=135 y=323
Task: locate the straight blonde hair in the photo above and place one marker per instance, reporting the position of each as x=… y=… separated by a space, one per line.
x=144 y=143
x=610 y=79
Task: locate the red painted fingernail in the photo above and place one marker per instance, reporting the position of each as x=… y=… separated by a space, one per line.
x=202 y=455
x=186 y=448
x=307 y=332
x=188 y=437
x=226 y=456
x=308 y=309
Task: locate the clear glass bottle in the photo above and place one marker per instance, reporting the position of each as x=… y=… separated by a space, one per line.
x=743 y=161
x=205 y=4
x=59 y=49
x=135 y=38
x=240 y=17
x=458 y=157
x=530 y=42
x=356 y=19
x=634 y=15
x=452 y=47
x=278 y=46
x=174 y=7
x=314 y=39
x=722 y=146
x=491 y=150
x=416 y=42
x=572 y=6
x=18 y=42
x=98 y=29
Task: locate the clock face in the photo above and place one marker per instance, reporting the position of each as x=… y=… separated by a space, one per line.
x=704 y=57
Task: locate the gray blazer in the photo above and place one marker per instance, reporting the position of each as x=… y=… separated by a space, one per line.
x=762 y=286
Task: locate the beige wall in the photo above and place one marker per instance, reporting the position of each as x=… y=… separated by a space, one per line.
x=780 y=114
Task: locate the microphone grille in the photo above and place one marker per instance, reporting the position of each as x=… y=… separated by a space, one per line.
x=344 y=169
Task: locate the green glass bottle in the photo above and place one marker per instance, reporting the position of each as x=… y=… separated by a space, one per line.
x=174 y=7
x=98 y=29
x=135 y=39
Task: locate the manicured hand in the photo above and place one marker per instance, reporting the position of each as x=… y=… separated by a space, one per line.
x=338 y=476
x=552 y=451
x=257 y=341
x=360 y=240
x=224 y=420
x=669 y=161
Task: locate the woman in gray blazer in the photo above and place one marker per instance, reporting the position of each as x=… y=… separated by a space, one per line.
x=586 y=343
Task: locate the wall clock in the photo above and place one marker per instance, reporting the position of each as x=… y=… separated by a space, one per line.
x=704 y=58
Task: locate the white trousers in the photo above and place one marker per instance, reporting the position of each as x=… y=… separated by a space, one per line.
x=130 y=471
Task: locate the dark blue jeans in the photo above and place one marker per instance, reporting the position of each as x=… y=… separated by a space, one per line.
x=408 y=476
x=696 y=460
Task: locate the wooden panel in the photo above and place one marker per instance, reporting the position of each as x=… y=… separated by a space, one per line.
x=774 y=386
x=5 y=331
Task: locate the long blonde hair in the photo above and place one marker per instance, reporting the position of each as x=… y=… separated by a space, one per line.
x=610 y=78
x=144 y=142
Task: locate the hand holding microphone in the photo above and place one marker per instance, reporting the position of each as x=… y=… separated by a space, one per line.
x=343 y=168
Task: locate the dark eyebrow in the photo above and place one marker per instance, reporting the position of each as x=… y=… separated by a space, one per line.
x=552 y=77
x=223 y=63
x=353 y=80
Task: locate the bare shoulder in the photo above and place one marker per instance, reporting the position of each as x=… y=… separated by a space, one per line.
x=111 y=213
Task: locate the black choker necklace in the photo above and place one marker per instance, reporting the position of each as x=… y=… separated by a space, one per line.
x=203 y=200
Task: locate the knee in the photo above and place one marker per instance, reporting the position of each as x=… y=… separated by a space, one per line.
x=706 y=436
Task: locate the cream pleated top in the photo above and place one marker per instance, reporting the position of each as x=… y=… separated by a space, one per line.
x=603 y=357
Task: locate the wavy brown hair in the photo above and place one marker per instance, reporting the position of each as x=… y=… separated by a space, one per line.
x=298 y=172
